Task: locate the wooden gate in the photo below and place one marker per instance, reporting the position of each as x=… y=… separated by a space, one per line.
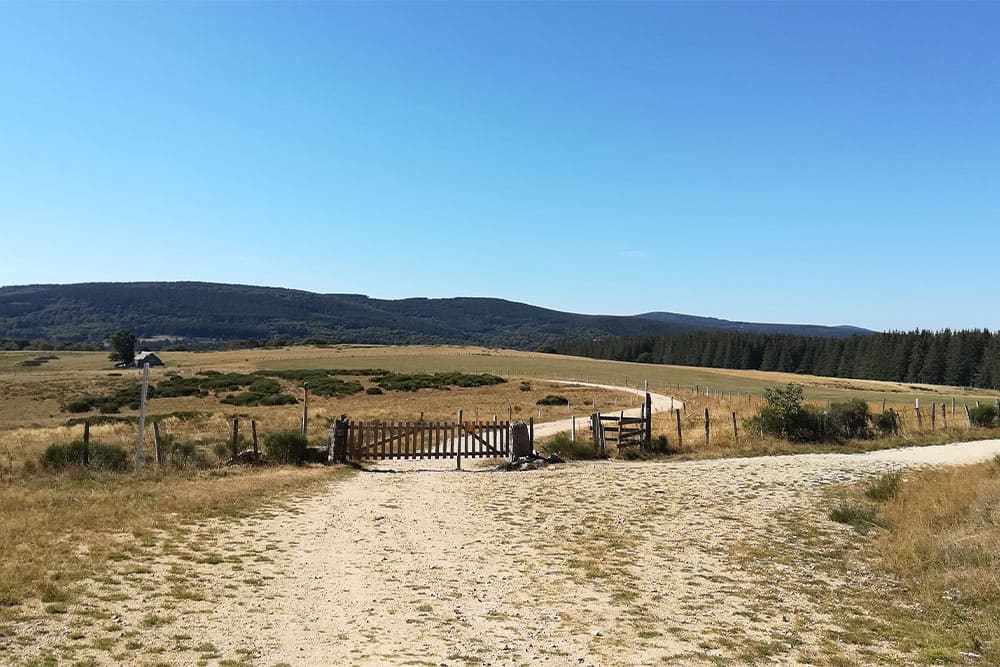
x=375 y=440
x=623 y=431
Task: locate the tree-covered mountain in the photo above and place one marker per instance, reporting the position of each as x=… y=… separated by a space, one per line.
x=960 y=358
x=714 y=323
x=90 y=312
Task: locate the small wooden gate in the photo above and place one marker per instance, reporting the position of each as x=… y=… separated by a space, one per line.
x=623 y=431
x=376 y=440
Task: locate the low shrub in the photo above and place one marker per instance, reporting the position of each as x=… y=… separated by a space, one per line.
x=657 y=448
x=418 y=381
x=552 y=399
x=887 y=423
x=252 y=398
x=859 y=517
x=108 y=458
x=885 y=487
x=287 y=447
x=278 y=399
x=374 y=391
x=562 y=445
x=983 y=415
x=183 y=453
x=78 y=406
x=850 y=420
x=525 y=385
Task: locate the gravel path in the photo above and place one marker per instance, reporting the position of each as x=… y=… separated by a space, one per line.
x=603 y=563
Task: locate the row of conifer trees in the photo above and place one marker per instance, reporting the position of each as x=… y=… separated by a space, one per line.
x=961 y=358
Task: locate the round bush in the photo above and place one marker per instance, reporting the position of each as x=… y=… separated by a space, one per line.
x=286 y=446
x=983 y=415
x=552 y=399
x=374 y=391
x=110 y=458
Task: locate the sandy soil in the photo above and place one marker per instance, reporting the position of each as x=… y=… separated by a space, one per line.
x=604 y=563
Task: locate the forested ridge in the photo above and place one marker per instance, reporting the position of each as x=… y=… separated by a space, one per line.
x=961 y=358
x=214 y=313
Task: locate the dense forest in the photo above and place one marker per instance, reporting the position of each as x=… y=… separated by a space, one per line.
x=205 y=314
x=960 y=358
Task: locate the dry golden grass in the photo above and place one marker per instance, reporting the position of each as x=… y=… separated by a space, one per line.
x=937 y=547
x=57 y=530
x=723 y=441
x=31 y=399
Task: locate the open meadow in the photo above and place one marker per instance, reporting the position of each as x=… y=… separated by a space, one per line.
x=705 y=556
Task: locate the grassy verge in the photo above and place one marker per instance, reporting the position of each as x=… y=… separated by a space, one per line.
x=59 y=530
x=935 y=540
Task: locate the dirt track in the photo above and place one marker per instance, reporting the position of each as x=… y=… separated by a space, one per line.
x=605 y=563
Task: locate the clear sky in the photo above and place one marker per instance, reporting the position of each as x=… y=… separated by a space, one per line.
x=832 y=163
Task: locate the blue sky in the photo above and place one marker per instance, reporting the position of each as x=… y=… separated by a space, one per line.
x=800 y=162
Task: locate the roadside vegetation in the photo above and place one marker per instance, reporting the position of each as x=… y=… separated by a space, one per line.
x=933 y=537
x=59 y=529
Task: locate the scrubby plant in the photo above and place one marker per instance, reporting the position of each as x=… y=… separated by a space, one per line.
x=567 y=448
x=183 y=453
x=983 y=415
x=108 y=458
x=552 y=399
x=885 y=487
x=525 y=385
x=860 y=517
x=887 y=422
x=374 y=391
x=286 y=447
x=850 y=420
x=417 y=381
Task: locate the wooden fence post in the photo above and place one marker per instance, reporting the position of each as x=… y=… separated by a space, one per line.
x=706 y=427
x=461 y=441
x=531 y=433
x=572 y=429
x=944 y=416
x=916 y=409
x=968 y=416
x=142 y=418
x=736 y=434
x=305 y=408
x=253 y=437
x=157 y=452
x=236 y=438
x=86 y=442
x=648 y=424
x=680 y=436
x=933 y=415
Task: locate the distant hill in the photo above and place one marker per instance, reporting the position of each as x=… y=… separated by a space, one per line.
x=199 y=311
x=712 y=323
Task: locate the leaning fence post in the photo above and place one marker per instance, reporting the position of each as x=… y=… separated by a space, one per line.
x=736 y=435
x=157 y=452
x=142 y=418
x=86 y=442
x=968 y=415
